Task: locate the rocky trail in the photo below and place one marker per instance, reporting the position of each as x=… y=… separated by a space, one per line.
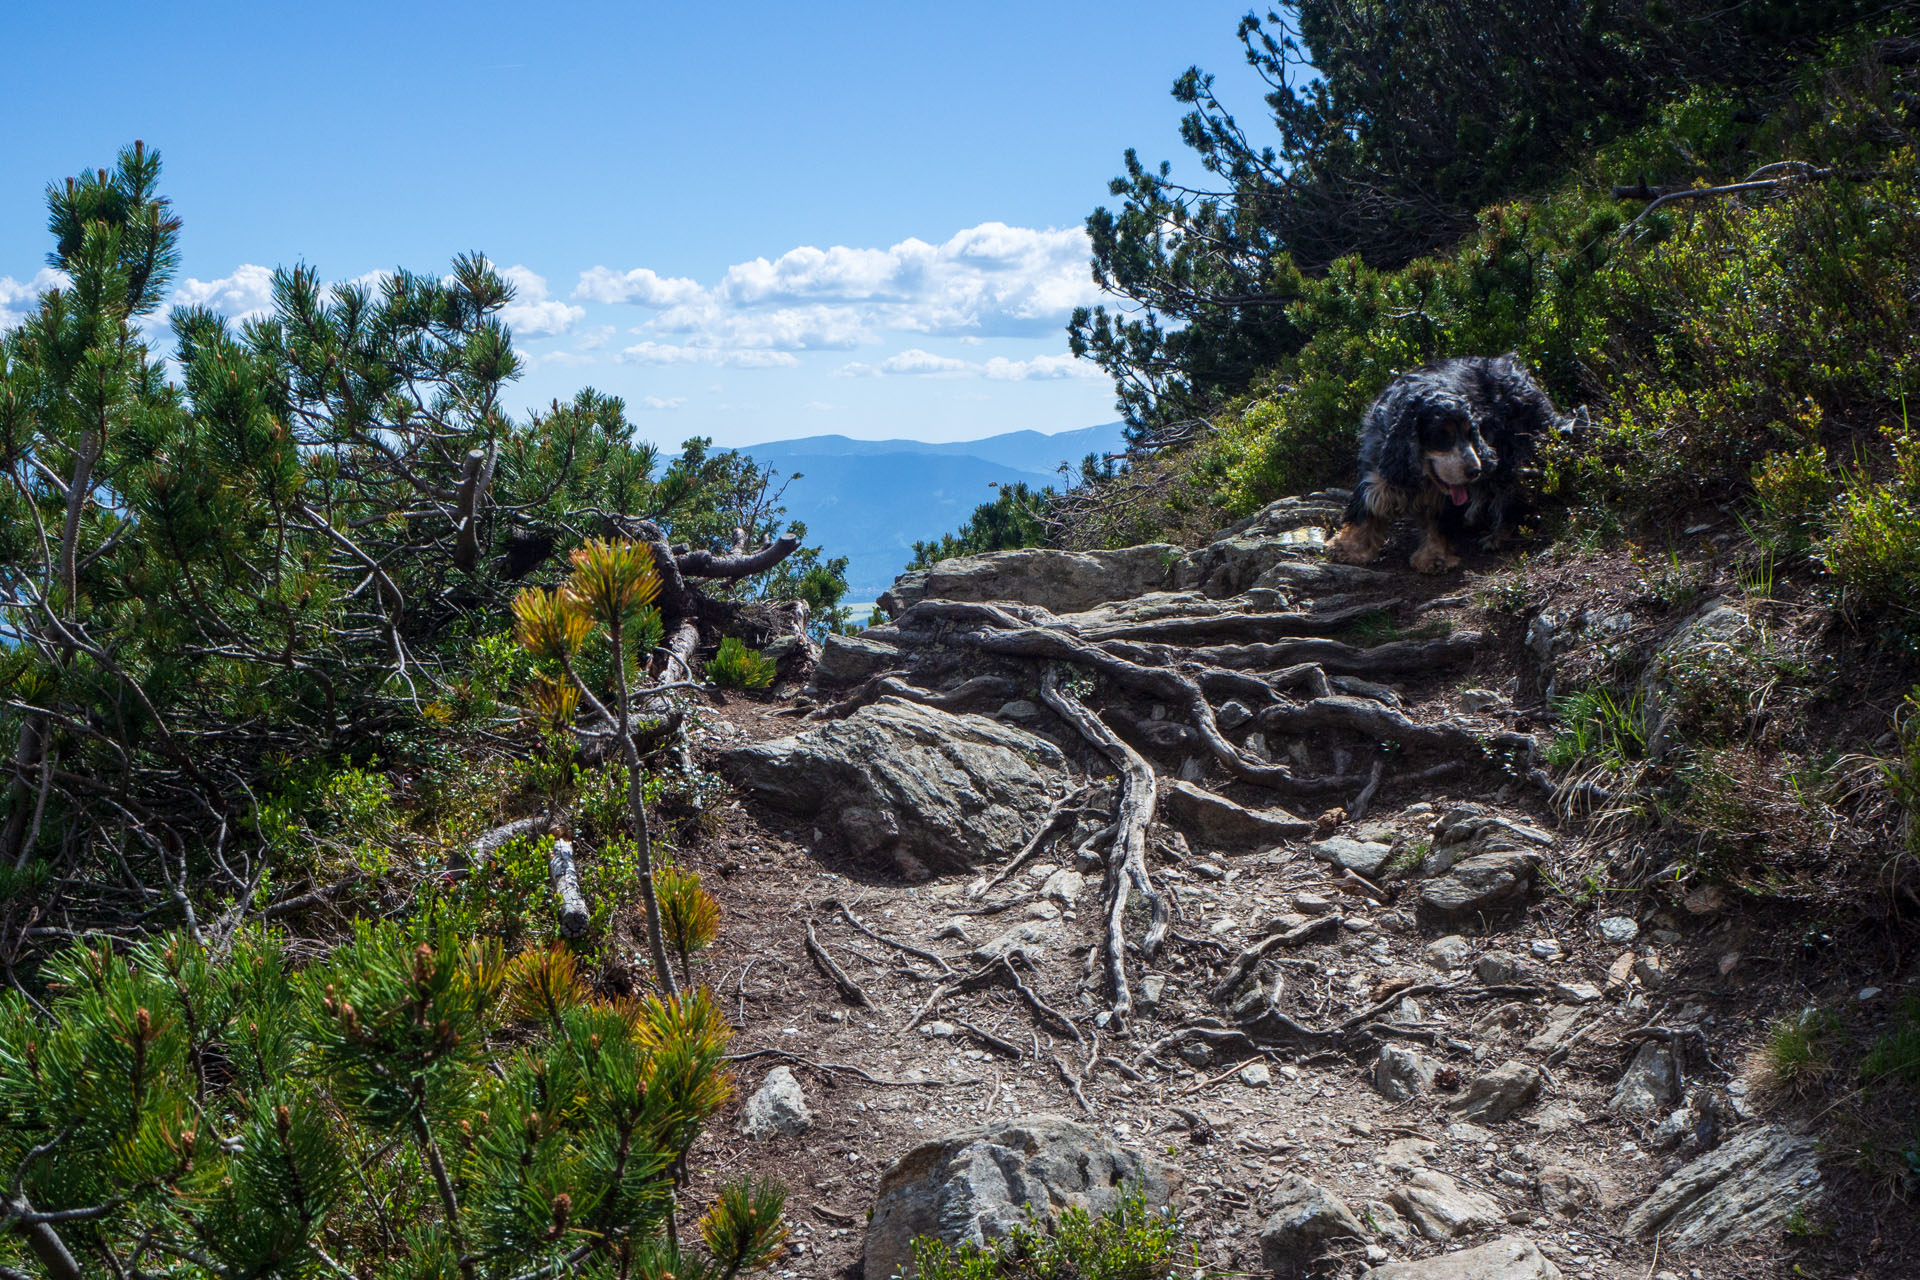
x=1234 y=872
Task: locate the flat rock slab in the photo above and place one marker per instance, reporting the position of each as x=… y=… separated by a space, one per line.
x=1362 y=857
x=1441 y=1209
x=1058 y=581
x=1211 y=821
x=1508 y=1258
x=1752 y=1183
x=976 y=1185
x=926 y=790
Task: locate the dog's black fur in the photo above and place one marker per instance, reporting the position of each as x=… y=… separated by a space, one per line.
x=1449 y=442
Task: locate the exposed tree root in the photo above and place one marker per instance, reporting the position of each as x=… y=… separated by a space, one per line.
x=1127 y=861
x=1396 y=657
x=1066 y=812
x=846 y=913
x=979 y=691
x=1241 y=626
x=849 y=989
x=1245 y=963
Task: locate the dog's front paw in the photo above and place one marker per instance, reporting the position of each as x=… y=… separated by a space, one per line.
x=1434 y=557
x=1356 y=544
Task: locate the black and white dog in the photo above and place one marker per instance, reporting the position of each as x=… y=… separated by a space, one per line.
x=1447 y=442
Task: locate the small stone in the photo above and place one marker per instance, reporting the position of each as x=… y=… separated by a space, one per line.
x=1575 y=992
x=778 y=1109
x=1197 y=1052
x=1568 y=1192
x=1404 y=1154
x=1042 y=911
x=1208 y=871
x=1311 y=904
x=1868 y=993
x=939 y=1030
x=1103 y=1017
x=1620 y=972
x=1479 y=699
x=1561 y=1021
x=1504 y=969
x=1255 y=1075
x=1544 y=949
x=1018 y=709
x=1153 y=989
x=1650 y=1084
x=1362 y=857
x=1064 y=886
x=1728 y=963
x=1399 y=1073
x=1650 y=970
x=1449 y=953
x=1619 y=930
x=1230 y=715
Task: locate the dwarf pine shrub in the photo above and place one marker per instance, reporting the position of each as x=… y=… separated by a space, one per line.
x=735 y=666
x=236 y=1116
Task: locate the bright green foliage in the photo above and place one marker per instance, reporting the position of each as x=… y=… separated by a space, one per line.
x=736 y=666
x=224 y=1110
x=1391 y=127
x=688 y=913
x=1604 y=726
x=1129 y=1242
x=1012 y=519
x=301 y=550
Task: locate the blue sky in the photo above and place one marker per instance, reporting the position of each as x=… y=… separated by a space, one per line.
x=753 y=222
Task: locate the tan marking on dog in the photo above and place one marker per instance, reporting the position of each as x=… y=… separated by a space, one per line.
x=1359 y=543
x=1434 y=555
x=1385 y=501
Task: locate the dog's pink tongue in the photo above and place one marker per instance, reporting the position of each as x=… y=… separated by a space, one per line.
x=1458 y=492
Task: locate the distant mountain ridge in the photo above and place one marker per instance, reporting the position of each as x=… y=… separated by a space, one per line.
x=871 y=500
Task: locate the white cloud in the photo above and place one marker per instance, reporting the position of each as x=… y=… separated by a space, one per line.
x=668 y=353
x=247 y=294
x=658 y=404
x=993 y=280
x=19 y=297
x=914 y=362
x=564 y=359
x=533 y=313
x=640 y=286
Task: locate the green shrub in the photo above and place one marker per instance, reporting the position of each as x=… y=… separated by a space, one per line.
x=1873 y=551
x=1799 y=1051
x=237 y=1117
x=1603 y=726
x=735 y=666
x=1129 y=1242
x=1895 y=1056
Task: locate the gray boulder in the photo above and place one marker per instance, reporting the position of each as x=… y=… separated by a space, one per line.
x=1508 y=1258
x=1496 y=1095
x=778 y=1109
x=1752 y=1183
x=1487 y=881
x=1058 y=581
x=977 y=1185
x=926 y=790
x=1305 y=1217
x=846 y=659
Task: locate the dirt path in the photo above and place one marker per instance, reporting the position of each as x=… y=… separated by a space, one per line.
x=1236 y=1102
